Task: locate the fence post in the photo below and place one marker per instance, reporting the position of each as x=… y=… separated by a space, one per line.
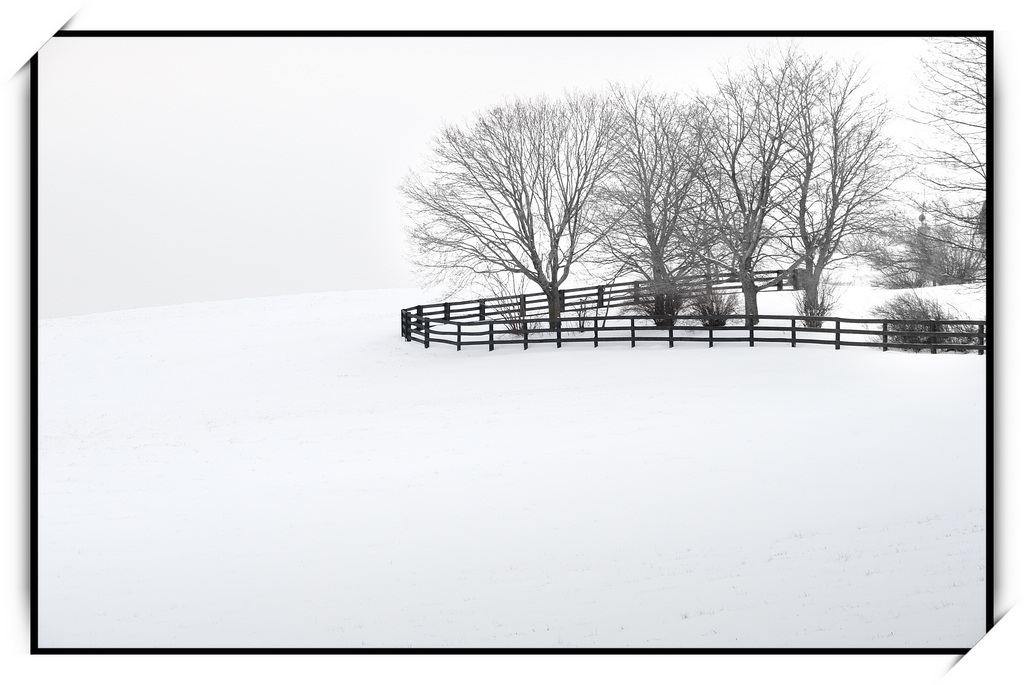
x=458 y=336
x=778 y=277
x=981 y=338
x=426 y=333
x=522 y=306
x=750 y=325
x=885 y=336
x=796 y=285
x=600 y=296
x=636 y=292
x=711 y=333
x=792 y=330
x=558 y=332
x=837 y=334
x=935 y=329
x=482 y=309
x=595 y=331
x=632 y=332
x=671 y=332
x=490 y=337
x=526 y=336
x=447 y=310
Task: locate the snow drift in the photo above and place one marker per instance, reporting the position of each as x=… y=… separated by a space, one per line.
x=288 y=472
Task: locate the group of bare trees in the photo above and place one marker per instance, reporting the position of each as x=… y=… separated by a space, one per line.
x=786 y=165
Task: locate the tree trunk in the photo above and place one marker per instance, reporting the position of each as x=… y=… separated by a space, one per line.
x=810 y=285
x=662 y=305
x=554 y=308
x=665 y=304
x=813 y=302
x=749 y=295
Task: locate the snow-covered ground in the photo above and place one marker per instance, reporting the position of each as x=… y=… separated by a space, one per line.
x=288 y=472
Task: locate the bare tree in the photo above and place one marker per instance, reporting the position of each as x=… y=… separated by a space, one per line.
x=746 y=130
x=651 y=194
x=844 y=169
x=511 y=194
x=953 y=161
x=954 y=105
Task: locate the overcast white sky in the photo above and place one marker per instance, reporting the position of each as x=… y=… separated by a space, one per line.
x=185 y=169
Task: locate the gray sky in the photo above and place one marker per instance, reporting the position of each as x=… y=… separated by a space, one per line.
x=176 y=170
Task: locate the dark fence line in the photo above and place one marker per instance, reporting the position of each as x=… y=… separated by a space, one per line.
x=592 y=297
x=933 y=336
x=510 y=321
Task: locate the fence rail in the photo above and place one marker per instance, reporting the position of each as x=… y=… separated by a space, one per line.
x=511 y=321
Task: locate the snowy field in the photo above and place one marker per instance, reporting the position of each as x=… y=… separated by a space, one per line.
x=288 y=472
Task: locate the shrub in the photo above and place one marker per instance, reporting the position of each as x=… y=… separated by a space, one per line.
x=919 y=316
x=582 y=311
x=662 y=303
x=927 y=255
x=714 y=307
x=823 y=304
x=896 y=278
x=514 y=318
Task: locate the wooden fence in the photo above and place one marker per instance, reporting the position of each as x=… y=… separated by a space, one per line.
x=523 y=320
x=535 y=305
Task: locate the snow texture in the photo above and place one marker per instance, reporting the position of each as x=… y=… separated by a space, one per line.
x=288 y=472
